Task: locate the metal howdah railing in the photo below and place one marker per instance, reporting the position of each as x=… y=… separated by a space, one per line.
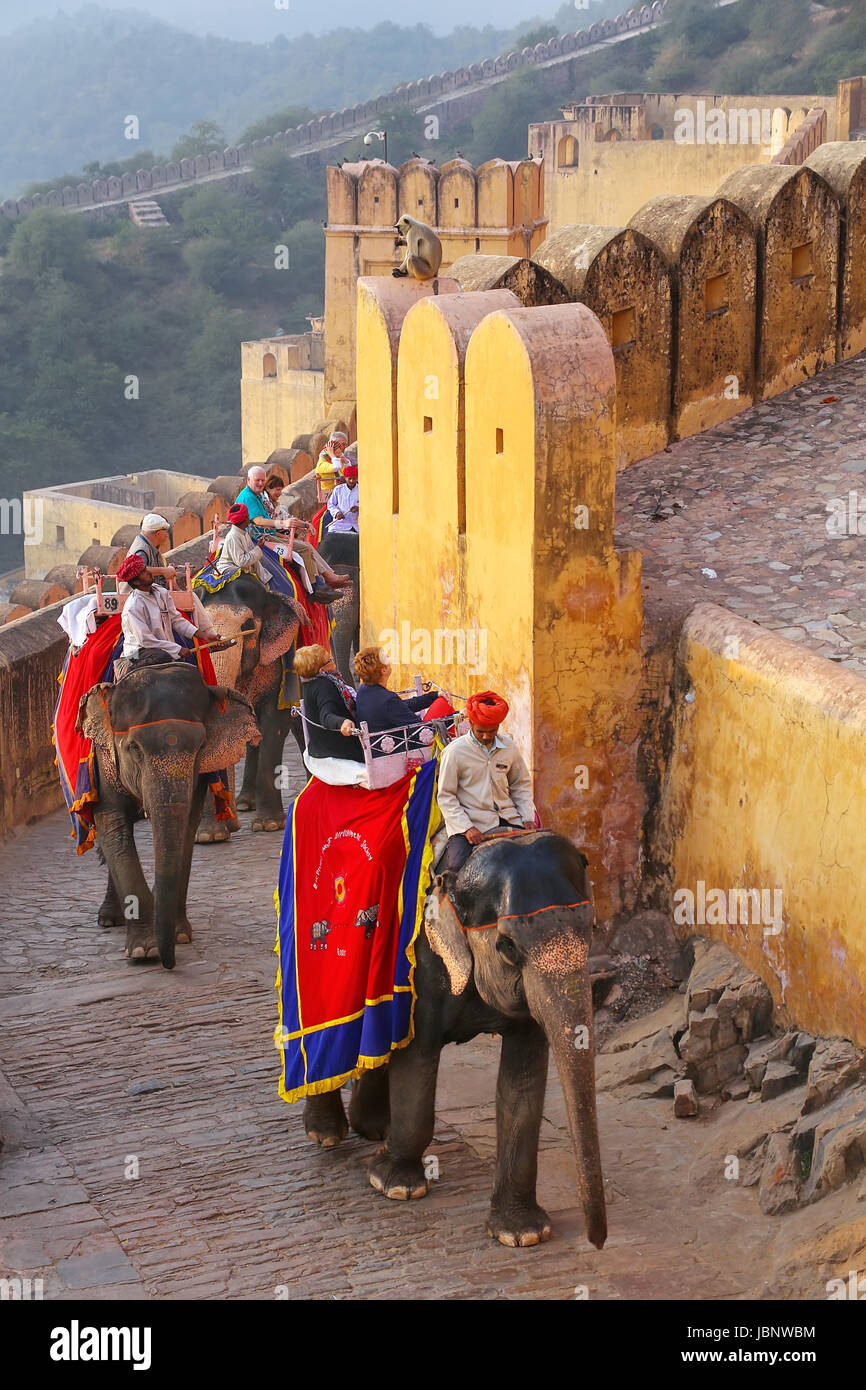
x=390 y=753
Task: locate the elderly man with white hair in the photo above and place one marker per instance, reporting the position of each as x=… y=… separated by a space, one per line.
x=151 y=540
x=322 y=583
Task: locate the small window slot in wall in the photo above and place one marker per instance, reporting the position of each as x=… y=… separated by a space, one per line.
x=428 y=424
x=61 y=535
x=269 y=365
x=801 y=261
x=457 y=202
x=500 y=442
x=375 y=198
x=420 y=202
x=715 y=295
x=623 y=333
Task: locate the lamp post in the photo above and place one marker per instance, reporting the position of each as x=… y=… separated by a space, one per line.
x=377 y=135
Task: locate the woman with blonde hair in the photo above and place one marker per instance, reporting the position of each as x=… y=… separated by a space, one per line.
x=328 y=704
x=377 y=706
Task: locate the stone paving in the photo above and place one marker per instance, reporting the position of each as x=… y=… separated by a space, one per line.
x=111 y=1069
x=742 y=516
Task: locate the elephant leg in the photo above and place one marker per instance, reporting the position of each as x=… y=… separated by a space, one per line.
x=325 y=1119
x=183 y=931
x=274 y=724
x=369 y=1107
x=114 y=828
x=210 y=830
x=398 y=1169
x=247 y=793
x=515 y=1218
x=111 y=908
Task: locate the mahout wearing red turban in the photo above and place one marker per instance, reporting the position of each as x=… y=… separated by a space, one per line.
x=487 y=710
x=350 y=470
x=131 y=568
x=237 y=514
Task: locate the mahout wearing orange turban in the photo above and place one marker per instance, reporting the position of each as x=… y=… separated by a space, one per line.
x=487 y=710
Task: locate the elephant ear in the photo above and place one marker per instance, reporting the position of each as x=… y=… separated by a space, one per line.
x=94 y=722
x=231 y=726
x=447 y=938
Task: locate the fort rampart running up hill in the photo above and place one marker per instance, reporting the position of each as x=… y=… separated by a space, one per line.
x=451 y=95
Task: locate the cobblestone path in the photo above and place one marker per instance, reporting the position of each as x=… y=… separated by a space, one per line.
x=107 y=1065
x=748 y=502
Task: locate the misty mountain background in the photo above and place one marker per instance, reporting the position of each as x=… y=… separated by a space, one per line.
x=68 y=81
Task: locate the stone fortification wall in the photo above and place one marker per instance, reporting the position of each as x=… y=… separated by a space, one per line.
x=764 y=793
x=518 y=587
x=339 y=126
x=31 y=654
x=496 y=209
x=713 y=303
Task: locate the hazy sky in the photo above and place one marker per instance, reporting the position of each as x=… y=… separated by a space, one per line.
x=260 y=20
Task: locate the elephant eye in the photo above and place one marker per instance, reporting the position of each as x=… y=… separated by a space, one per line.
x=508 y=948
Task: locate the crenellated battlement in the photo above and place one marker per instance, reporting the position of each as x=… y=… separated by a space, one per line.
x=496 y=209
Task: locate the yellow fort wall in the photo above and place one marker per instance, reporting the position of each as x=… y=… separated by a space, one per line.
x=764 y=790
x=488 y=522
x=281 y=396
x=602 y=162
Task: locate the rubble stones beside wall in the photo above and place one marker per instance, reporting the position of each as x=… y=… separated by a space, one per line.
x=323 y=127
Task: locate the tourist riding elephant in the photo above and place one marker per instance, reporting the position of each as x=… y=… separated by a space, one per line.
x=340 y=550
x=254 y=667
x=156 y=735
x=504 y=949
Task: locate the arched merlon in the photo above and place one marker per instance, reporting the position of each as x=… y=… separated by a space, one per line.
x=530 y=282
x=843 y=165
x=709 y=247
x=621 y=276
x=795 y=214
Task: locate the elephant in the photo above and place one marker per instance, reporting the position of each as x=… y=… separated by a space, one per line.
x=340 y=550
x=156 y=734
x=504 y=949
x=254 y=669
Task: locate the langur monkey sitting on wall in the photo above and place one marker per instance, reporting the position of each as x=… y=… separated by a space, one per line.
x=423 y=249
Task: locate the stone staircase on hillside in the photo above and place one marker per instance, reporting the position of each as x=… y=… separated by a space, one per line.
x=146 y=212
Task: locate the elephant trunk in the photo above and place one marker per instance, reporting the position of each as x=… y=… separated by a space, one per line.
x=562 y=1004
x=170 y=822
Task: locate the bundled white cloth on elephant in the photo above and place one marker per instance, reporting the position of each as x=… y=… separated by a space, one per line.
x=78 y=619
x=337 y=772
x=147 y=622
x=238 y=552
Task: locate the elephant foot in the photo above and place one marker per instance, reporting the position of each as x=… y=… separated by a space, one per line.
x=215 y=835
x=325 y=1120
x=141 y=945
x=399 y=1178
x=275 y=823
x=183 y=932
x=518 y=1225
x=246 y=803
x=110 y=915
x=369 y=1109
